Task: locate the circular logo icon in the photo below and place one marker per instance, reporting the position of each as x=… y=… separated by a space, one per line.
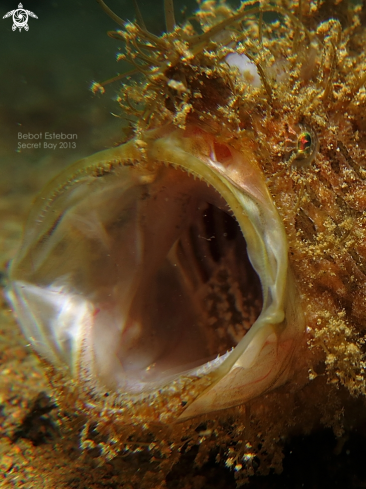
x=20 y=18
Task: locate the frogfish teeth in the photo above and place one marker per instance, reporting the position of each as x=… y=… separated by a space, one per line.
x=211 y=267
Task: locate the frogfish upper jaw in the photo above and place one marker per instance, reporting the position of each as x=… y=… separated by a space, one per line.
x=160 y=260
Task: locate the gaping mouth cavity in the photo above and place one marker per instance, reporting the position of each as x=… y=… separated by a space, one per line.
x=134 y=274
x=174 y=287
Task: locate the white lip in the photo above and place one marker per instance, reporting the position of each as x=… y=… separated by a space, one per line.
x=51 y=318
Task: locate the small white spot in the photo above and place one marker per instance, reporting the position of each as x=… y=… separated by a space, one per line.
x=246 y=67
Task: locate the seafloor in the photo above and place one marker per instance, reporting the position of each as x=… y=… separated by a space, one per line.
x=45 y=75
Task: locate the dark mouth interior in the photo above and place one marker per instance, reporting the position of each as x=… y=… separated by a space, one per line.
x=197 y=293
x=213 y=261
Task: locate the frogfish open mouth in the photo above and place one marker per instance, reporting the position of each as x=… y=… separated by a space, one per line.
x=217 y=253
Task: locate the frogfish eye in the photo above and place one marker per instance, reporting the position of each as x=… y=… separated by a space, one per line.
x=304 y=145
x=301 y=144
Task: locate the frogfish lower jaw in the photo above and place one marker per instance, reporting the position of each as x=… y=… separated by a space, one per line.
x=156 y=264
